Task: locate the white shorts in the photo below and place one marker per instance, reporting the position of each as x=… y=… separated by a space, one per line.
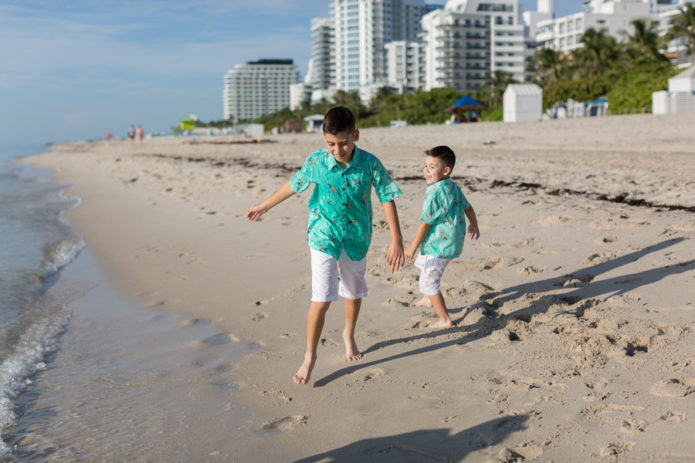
x=432 y=269
x=326 y=286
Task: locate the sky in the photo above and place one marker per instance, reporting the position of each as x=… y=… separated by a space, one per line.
x=75 y=70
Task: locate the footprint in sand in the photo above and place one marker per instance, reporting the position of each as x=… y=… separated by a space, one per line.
x=528 y=451
x=470 y=288
x=631 y=425
x=554 y=220
x=211 y=341
x=422 y=320
x=674 y=416
x=601 y=258
x=217 y=340
x=194 y=321
x=285 y=423
x=669 y=309
x=259 y=316
x=673 y=388
x=530 y=270
x=615 y=449
x=278 y=394
x=524 y=243
x=369 y=376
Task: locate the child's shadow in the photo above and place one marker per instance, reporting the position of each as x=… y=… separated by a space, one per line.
x=492 y=321
x=426 y=445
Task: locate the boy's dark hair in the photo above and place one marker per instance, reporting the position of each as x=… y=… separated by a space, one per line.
x=444 y=153
x=338 y=120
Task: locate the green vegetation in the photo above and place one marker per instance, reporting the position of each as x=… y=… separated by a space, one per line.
x=625 y=72
x=417 y=108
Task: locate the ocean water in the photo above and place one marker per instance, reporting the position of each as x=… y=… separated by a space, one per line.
x=37 y=244
x=86 y=374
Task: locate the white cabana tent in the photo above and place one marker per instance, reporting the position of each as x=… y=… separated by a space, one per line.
x=680 y=97
x=314 y=122
x=683 y=82
x=522 y=102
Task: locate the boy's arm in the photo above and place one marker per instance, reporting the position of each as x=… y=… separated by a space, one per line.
x=394 y=256
x=255 y=212
x=473 y=231
x=419 y=236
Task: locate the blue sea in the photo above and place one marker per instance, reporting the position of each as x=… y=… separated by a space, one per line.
x=86 y=374
x=37 y=244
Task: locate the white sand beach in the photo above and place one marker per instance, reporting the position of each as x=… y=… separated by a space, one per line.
x=575 y=308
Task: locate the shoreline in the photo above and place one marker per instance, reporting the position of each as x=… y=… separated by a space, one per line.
x=541 y=363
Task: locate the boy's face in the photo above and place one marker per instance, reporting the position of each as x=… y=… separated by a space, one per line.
x=342 y=145
x=435 y=170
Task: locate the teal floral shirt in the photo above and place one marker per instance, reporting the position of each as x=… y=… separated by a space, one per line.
x=340 y=207
x=443 y=209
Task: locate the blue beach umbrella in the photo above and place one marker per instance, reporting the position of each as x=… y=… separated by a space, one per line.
x=466 y=103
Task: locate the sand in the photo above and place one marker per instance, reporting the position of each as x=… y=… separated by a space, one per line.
x=574 y=309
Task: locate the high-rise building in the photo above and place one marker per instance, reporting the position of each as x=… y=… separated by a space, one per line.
x=546 y=6
x=322 y=52
x=564 y=34
x=470 y=39
x=405 y=64
x=258 y=88
x=362 y=30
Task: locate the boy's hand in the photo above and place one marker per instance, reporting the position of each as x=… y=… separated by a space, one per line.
x=395 y=256
x=473 y=232
x=255 y=212
x=410 y=252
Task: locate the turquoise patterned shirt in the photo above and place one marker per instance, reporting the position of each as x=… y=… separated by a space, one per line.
x=443 y=209
x=340 y=207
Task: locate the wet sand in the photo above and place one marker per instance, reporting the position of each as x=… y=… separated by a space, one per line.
x=574 y=309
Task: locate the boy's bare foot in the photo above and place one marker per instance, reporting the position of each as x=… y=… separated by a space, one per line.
x=424 y=302
x=304 y=373
x=352 y=353
x=442 y=324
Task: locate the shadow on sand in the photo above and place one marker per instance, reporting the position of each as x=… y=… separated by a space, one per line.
x=425 y=446
x=587 y=289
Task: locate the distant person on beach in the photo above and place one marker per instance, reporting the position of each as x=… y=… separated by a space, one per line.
x=139 y=133
x=131 y=133
x=340 y=226
x=442 y=229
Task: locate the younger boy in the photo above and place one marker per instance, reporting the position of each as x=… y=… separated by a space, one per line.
x=442 y=229
x=340 y=226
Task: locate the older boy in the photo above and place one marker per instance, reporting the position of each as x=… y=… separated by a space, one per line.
x=442 y=229
x=340 y=227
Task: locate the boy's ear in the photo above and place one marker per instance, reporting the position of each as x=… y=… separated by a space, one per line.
x=357 y=135
x=447 y=171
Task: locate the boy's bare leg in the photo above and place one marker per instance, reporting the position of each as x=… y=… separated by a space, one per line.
x=423 y=302
x=352 y=311
x=314 y=326
x=444 y=322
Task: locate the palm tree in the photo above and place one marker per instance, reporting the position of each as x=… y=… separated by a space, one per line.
x=683 y=25
x=549 y=66
x=644 y=40
x=495 y=86
x=599 y=52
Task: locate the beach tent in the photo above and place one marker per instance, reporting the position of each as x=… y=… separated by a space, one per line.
x=314 y=122
x=522 y=102
x=462 y=105
x=683 y=82
x=680 y=97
